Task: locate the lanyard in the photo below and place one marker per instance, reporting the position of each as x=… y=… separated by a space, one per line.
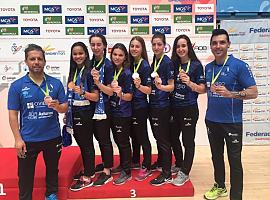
x=136 y=68
x=214 y=78
x=45 y=92
x=115 y=77
x=156 y=66
x=98 y=63
x=187 y=69
x=75 y=75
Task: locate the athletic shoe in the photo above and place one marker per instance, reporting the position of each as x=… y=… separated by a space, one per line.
x=180 y=179
x=81 y=184
x=135 y=166
x=143 y=174
x=175 y=170
x=78 y=176
x=117 y=170
x=161 y=180
x=156 y=167
x=122 y=178
x=99 y=168
x=215 y=192
x=51 y=197
x=102 y=179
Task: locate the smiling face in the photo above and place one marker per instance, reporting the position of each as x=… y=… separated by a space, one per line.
x=182 y=50
x=219 y=47
x=118 y=57
x=35 y=62
x=78 y=55
x=135 y=49
x=158 y=47
x=97 y=47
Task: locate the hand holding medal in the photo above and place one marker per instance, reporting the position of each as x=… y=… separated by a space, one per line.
x=136 y=75
x=154 y=74
x=71 y=85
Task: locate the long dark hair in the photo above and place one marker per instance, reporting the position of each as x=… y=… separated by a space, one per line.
x=163 y=39
x=144 y=52
x=104 y=42
x=191 y=53
x=73 y=64
x=124 y=49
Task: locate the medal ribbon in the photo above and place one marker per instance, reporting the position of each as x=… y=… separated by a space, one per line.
x=187 y=69
x=156 y=66
x=75 y=75
x=45 y=92
x=136 y=68
x=214 y=78
x=99 y=63
x=115 y=77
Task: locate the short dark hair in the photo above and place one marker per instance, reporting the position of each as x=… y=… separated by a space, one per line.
x=33 y=47
x=217 y=32
x=159 y=35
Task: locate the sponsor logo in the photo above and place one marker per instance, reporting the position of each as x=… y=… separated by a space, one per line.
x=204 y=8
x=96 y=8
x=161 y=8
x=157 y=19
x=32 y=19
x=9 y=31
x=119 y=30
x=204 y=29
x=29 y=9
x=15 y=48
x=97 y=19
x=8 y=79
x=118 y=8
x=75 y=9
x=51 y=8
x=139 y=19
x=52 y=19
x=74 y=30
x=53 y=69
x=119 y=19
x=95 y=30
x=52 y=51
x=161 y=29
x=74 y=19
x=52 y=31
x=182 y=19
x=30 y=30
x=200 y=48
x=9 y=20
x=7 y=10
x=183 y=30
x=139 y=30
x=142 y=9
x=204 y=18
x=167 y=48
x=182 y=8
x=234 y=32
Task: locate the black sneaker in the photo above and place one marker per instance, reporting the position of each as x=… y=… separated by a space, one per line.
x=77 y=177
x=81 y=184
x=102 y=179
x=99 y=168
x=156 y=167
x=122 y=178
x=160 y=180
x=117 y=170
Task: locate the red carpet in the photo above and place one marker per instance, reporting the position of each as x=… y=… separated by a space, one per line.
x=70 y=163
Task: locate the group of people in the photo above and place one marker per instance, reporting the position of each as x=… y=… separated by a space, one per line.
x=119 y=95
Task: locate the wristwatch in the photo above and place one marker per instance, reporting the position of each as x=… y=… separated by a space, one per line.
x=239 y=93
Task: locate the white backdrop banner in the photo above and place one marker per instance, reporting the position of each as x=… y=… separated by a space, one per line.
x=251 y=43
